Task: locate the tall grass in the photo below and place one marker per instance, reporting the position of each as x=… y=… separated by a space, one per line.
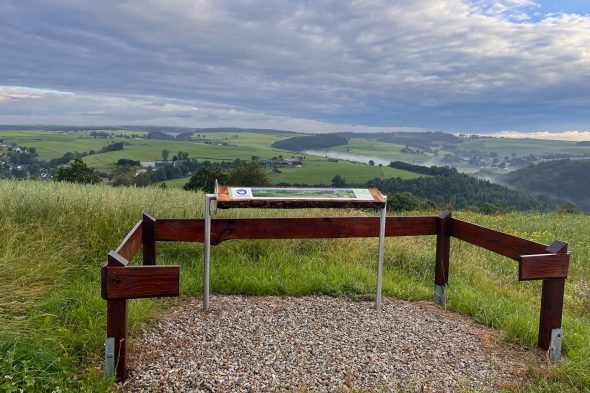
x=54 y=238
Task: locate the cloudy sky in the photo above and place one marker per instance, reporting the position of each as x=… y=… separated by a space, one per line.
x=318 y=65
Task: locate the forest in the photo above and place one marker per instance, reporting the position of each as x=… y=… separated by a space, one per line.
x=561 y=180
x=301 y=143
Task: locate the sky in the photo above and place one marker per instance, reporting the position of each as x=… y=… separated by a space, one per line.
x=510 y=67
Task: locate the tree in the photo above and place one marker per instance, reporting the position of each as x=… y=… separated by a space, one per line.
x=123 y=176
x=248 y=174
x=77 y=172
x=338 y=181
x=165 y=154
x=403 y=201
x=144 y=178
x=204 y=179
x=371 y=162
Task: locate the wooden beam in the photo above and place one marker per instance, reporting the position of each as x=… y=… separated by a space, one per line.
x=443 y=248
x=543 y=266
x=148 y=231
x=498 y=242
x=551 y=302
x=132 y=282
x=117 y=328
x=114 y=259
x=131 y=244
x=192 y=230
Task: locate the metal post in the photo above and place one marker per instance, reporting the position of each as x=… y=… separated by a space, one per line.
x=207 y=249
x=381 y=252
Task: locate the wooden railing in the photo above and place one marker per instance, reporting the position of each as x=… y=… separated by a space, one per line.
x=121 y=282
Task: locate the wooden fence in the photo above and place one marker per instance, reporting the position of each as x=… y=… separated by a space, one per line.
x=120 y=281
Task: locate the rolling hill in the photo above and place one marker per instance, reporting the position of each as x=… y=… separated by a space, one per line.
x=560 y=180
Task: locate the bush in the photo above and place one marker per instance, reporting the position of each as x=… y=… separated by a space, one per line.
x=568 y=208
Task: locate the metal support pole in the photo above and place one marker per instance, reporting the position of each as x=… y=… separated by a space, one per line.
x=381 y=252
x=207 y=249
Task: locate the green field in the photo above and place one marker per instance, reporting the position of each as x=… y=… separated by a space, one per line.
x=54 y=238
x=381 y=150
x=316 y=169
x=364 y=149
x=244 y=147
x=51 y=144
x=320 y=171
x=522 y=147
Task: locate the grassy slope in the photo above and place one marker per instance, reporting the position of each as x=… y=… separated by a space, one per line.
x=54 y=238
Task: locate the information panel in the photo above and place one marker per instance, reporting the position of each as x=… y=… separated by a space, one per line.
x=297 y=197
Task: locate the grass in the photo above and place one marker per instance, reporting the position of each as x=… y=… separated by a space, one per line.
x=54 y=238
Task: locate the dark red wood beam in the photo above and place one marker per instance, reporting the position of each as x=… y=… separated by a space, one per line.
x=192 y=230
x=543 y=266
x=552 y=295
x=148 y=235
x=502 y=243
x=132 y=282
x=443 y=248
x=132 y=242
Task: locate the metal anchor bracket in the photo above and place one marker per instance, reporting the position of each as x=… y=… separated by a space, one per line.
x=439 y=294
x=109 y=357
x=555 y=345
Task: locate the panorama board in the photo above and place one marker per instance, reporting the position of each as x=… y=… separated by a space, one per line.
x=298 y=197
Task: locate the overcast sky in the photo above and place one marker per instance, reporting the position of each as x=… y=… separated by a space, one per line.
x=317 y=65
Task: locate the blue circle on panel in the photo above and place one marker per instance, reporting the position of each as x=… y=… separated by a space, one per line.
x=241 y=191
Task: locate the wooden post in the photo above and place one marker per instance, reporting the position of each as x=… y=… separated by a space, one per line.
x=443 y=248
x=551 y=301
x=117 y=320
x=117 y=328
x=148 y=235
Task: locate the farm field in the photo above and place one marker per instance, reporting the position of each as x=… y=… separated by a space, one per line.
x=321 y=171
x=54 y=237
x=522 y=147
x=384 y=151
x=50 y=144
x=243 y=145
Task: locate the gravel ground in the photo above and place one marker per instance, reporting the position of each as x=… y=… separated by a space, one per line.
x=318 y=343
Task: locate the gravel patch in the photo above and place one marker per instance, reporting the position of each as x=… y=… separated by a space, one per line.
x=319 y=343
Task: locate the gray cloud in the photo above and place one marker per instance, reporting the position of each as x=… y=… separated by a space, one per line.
x=443 y=64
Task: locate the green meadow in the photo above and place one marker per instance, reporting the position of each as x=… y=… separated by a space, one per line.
x=51 y=144
x=381 y=150
x=320 y=171
x=55 y=237
x=242 y=145
x=522 y=147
